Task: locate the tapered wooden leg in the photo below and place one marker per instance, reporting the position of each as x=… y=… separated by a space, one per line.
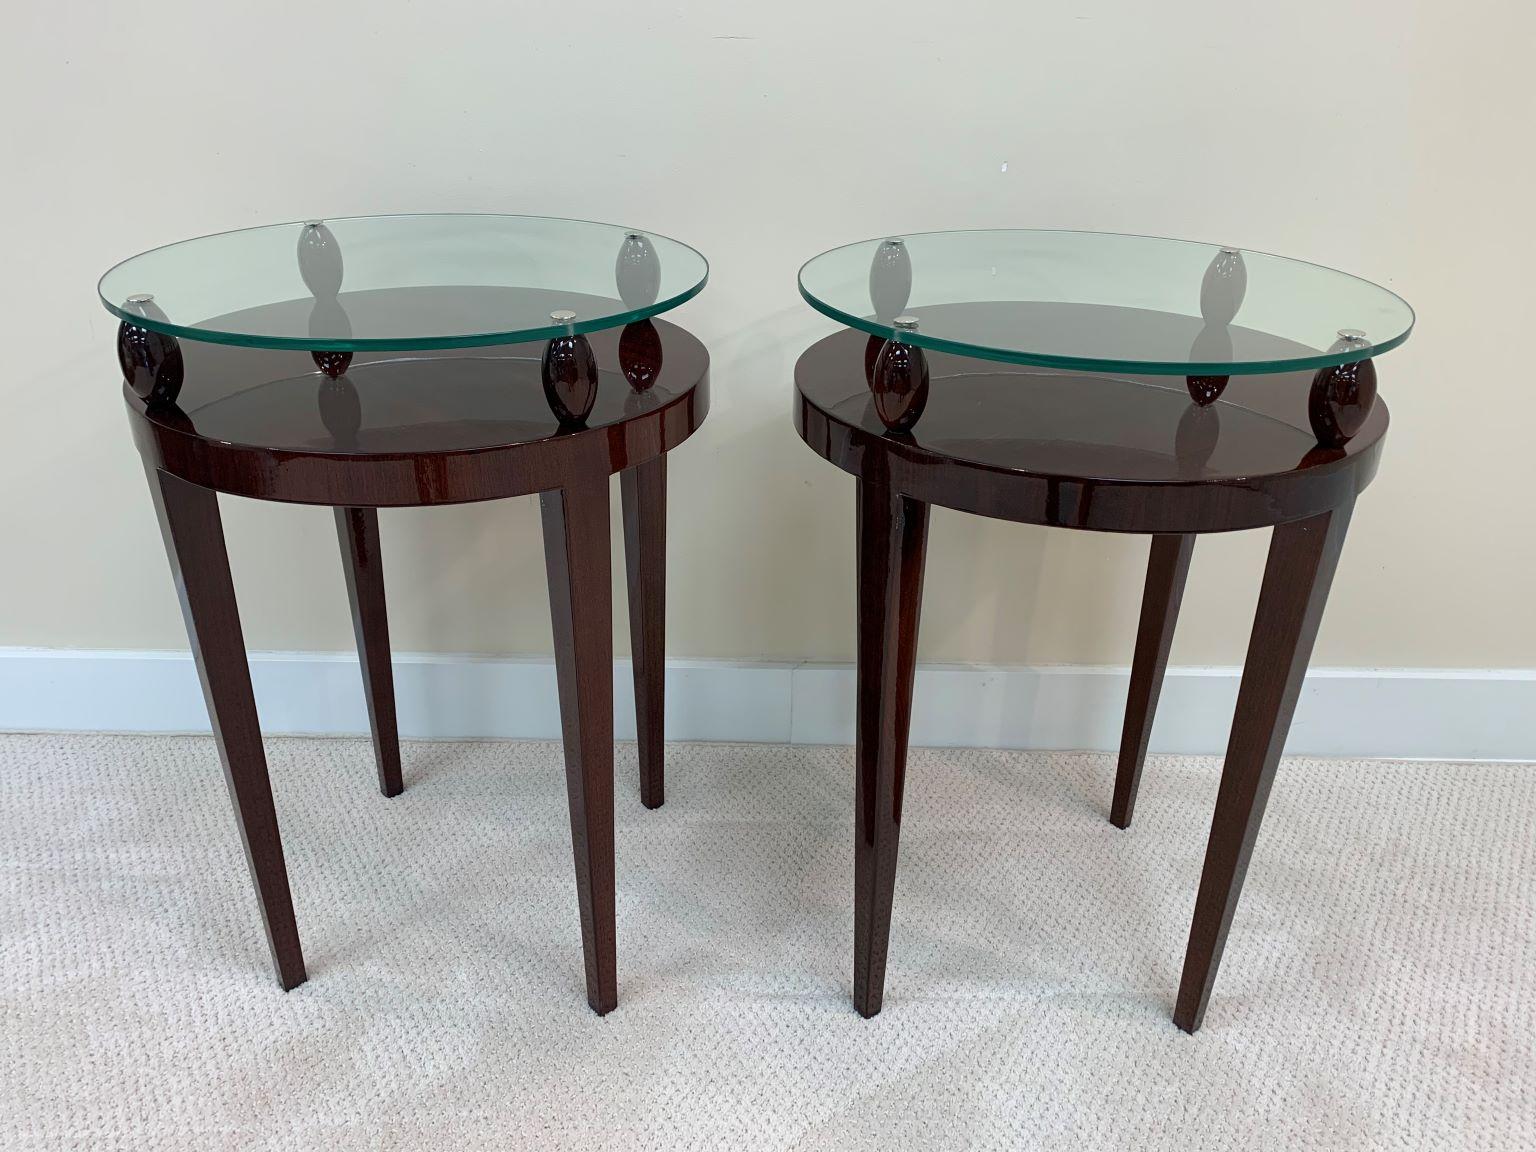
x=194 y=543
x=576 y=555
x=1302 y=559
x=1167 y=569
x=644 y=490
x=893 y=539
x=358 y=531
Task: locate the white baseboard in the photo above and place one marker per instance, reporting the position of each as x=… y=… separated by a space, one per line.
x=1352 y=712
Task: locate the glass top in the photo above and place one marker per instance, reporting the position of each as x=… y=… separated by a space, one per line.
x=1098 y=301
x=384 y=283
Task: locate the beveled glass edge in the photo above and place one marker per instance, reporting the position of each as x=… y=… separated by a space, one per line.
x=412 y=343
x=1086 y=364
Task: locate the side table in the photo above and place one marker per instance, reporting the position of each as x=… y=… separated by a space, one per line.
x=407 y=361
x=1025 y=375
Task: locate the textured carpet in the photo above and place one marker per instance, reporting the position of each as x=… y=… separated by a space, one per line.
x=1378 y=989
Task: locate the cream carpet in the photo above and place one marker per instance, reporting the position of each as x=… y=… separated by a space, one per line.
x=1379 y=989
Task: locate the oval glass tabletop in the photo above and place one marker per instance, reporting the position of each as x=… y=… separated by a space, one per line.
x=1097 y=301
x=386 y=283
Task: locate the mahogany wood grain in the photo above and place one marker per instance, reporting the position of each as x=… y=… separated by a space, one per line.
x=644 y=492
x=1167 y=569
x=1302 y=558
x=577 y=557
x=892 y=548
x=194 y=543
x=363 y=566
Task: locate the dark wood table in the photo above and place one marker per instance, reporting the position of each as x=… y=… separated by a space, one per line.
x=404 y=361
x=1102 y=455
x=1105 y=452
x=443 y=428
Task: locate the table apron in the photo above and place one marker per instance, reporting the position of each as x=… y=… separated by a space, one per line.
x=417 y=479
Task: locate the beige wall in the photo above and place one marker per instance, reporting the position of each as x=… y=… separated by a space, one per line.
x=1391 y=139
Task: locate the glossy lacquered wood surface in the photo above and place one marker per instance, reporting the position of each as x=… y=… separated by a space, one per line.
x=644 y=492
x=1302 y=558
x=892 y=548
x=433 y=428
x=1123 y=454
x=1167 y=570
x=417 y=428
x=362 y=564
x=577 y=557
x=194 y=544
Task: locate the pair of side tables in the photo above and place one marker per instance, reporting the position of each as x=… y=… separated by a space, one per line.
x=1081 y=380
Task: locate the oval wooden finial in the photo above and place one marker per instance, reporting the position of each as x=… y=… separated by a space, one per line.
x=569 y=370
x=899 y=383
x=1206 y=390
x=640 y=354
x=151 y=361
x=333 y=364
x=1342 y=396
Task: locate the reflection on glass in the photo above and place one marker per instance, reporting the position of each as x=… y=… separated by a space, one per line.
x=900 y=384
x=321 y=267
x=411 y=282
x=1212 y=344
x=637 y=272
x=1223 y=288
x=320 y=260
x=1098 y=302
x=569 y=371
x=890 y=280
x=328 y=320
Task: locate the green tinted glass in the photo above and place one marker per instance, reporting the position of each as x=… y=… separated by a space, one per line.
x=1105 y=302
x=403 y=282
